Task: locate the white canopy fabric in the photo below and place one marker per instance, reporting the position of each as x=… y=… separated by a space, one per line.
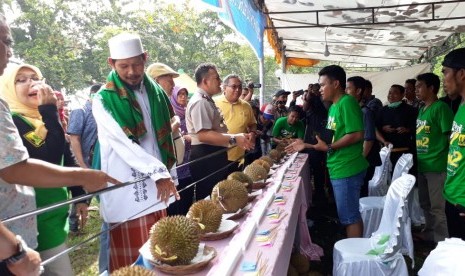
x=381 y=81
x=380 y=33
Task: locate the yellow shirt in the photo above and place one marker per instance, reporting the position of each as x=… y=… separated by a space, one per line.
x=238 y=118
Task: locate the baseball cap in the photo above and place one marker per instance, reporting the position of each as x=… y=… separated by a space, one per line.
x=268 y=112
x=455 y=59
x=281 y=92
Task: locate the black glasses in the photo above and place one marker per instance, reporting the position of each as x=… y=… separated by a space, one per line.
x=234 y=86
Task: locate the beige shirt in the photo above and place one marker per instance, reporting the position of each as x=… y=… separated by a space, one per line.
x=202 y=114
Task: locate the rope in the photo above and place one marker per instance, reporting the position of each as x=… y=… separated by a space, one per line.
x=51 y=259
x=90 y=195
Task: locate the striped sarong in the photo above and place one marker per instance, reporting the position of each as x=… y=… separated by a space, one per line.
x=128 y=238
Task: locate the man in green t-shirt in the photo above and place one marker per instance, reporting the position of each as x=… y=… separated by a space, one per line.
x=289 y=127
x=453 y=68
x=433 y=127
x=345 y=161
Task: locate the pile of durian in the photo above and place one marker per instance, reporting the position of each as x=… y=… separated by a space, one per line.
x=133 y=271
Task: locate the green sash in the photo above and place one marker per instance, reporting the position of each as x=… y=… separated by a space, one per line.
x=121 y=103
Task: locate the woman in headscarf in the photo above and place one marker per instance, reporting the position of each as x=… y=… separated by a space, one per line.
x=179 y=102
x=34 y=108
x=61 y=109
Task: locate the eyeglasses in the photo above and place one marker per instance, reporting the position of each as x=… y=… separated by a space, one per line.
x=22 y=80
x=234 y=86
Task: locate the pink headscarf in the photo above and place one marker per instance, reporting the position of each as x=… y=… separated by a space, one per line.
x=178 y=109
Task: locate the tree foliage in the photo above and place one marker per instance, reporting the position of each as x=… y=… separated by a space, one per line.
x=67 y=39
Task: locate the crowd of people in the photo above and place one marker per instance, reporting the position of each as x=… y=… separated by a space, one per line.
x=139 y=125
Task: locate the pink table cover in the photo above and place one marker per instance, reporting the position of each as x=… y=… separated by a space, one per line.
x=278 y=255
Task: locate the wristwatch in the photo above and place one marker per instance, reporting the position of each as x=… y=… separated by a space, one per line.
x=20 y=253
x=330 y=149
x=232 y=141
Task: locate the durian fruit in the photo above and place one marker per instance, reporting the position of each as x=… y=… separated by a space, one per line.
x=231 y=195
x=256 y=172
x=281 y=146
x=291 y=271
x=207 y=213
x=243 y=178
x=300 y=262
x=175 y=240
x=263 y=163
x=267 y=159
x=133 y=271
x=275 y=155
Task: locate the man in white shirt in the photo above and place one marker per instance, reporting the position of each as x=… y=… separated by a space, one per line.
x=133 y=119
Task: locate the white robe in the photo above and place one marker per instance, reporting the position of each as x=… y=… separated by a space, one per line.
x=125 y=160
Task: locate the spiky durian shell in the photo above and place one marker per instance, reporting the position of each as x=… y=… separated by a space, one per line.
x=300 y=262
x=231 y=195
x=267 y=159
x=175 y=236
x=263 y=163
x=207 y=213
x=256 y=172
x=133 y=271
x=242 y=177
x=275 y=155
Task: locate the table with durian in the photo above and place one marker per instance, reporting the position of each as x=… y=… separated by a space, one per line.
x=255 y=236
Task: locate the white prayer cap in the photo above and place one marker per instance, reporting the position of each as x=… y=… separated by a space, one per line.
x=125 y=45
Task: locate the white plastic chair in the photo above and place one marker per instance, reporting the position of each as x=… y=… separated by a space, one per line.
x=371 y=207
x=445 y=259
x=378 y=185
x=380 y=254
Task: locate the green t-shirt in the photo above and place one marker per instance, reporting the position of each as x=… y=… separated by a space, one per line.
x=282 y=129
x=433 y=124
x=454 y=188
x=345 y=117
x=53 y=225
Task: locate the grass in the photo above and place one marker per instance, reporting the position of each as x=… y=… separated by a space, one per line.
x=84 y=260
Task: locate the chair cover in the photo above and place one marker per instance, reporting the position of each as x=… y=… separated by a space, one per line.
x=371 y=210
x=445 y=259
x=403 y=165
x=378 y=185
x=416 y=213
x=380 y=254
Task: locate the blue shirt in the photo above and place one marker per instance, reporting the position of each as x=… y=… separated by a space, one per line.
x=82 y=123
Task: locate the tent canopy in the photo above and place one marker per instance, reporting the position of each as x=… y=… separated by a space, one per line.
x=378 y=33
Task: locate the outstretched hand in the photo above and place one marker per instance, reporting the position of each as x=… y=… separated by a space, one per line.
x=297 y=145
x=94 y=180
x=320 y=145
x=166 y=187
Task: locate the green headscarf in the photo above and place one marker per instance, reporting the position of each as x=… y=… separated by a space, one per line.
x=121 y=103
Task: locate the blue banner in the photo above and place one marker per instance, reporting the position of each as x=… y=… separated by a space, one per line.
x=243 y=17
